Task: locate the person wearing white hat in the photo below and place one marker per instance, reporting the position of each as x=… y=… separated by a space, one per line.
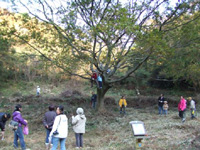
x=78 y=123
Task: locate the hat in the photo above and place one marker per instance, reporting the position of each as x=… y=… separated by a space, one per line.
x=38 y=86
x=80 y=111
x=165 y=101
x=189 y=98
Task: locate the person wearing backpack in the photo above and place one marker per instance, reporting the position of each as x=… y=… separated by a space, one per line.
x=192 y=107
x=48 y=121
x=122 y=105
x=78 y=123
x=18 y=133
x=3 y=118
x=59 y=131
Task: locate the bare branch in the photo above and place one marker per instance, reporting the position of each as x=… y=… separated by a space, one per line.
x=47 y=58
x=129 y=72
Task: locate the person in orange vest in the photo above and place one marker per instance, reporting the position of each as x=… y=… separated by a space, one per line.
x=122 y=105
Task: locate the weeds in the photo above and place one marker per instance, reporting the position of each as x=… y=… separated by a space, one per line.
x=106 y=130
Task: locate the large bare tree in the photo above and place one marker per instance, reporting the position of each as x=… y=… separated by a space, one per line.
x=107 y=35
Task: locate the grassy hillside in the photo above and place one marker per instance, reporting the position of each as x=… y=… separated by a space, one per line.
x=106 y=130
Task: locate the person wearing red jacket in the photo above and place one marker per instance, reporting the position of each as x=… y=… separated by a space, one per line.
x=182 y=108
x=93 y=78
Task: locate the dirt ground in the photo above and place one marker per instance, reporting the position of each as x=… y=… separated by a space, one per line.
x=108 y=130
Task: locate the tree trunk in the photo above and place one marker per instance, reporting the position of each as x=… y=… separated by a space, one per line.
x=100 y=96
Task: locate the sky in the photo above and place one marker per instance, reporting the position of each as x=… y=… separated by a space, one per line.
x=55 y=3
x=5 y=4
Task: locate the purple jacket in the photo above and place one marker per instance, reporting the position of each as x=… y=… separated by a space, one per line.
x=18 y=117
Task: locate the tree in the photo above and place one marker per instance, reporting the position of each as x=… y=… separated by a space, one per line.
x=184 y=56
x=102 y=35
x=6 y=52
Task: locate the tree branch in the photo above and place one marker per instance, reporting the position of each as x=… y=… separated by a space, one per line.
x=129 y=72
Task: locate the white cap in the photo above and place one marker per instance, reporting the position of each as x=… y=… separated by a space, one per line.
x=80 y=111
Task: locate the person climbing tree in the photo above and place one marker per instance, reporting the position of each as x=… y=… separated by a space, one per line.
x=94 y=78
x=99 y=78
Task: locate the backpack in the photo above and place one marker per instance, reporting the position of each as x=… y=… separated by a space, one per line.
x=13 y=125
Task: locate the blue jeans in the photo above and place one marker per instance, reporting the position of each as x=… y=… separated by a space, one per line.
x=192 y=115
x=94 y=105
x=79 y=139
x=165 y=112
x=123 y=110
x=160 y=109
x=55 y=143
x=100 y=84
x=47 y=136
x=18 y=134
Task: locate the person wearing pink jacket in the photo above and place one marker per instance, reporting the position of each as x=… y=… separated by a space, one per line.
x=182 y=108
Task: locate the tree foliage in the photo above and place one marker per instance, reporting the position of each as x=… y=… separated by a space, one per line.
x=101 y=35
x=182 y=63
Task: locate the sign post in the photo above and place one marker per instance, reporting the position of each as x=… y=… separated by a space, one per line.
x=139 y=133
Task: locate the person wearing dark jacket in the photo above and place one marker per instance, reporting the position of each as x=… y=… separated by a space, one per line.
x=48 y=121
x=93 y=100
x=18 y=133
x=161 y=100
x=3 y=118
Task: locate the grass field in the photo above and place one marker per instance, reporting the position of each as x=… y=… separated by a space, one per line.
x=106 y=130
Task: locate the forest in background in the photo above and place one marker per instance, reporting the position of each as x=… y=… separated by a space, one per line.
x=22 y=36
x=33 y=53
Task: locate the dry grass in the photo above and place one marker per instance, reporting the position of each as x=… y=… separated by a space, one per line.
x=107 y=130
x=113 y=132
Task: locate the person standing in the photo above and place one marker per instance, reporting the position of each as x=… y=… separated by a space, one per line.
x=161 y=100
x=99 y=78
x=38 y=91
x=165 y=108
x=93 y=100
x=59 y=131
x=78 y=123
x=48 y=121
x=122 y=105
x=192 y=107
x=182 y=108
x=3 y=118
x=18 y=133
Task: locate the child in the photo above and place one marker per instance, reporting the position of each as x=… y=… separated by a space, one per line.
x=93 y=78
x=122 y=105
x=99 y=78
x=165 y=107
